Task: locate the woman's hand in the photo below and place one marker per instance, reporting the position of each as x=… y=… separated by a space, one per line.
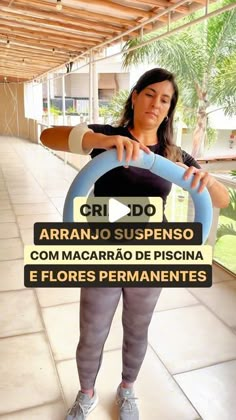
x=121 y=143
x=218 y=192
x=131 y=147
x=200 y=176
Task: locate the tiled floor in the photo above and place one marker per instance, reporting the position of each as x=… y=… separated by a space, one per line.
x=189 y=372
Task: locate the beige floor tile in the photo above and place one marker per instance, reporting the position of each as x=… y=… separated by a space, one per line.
x=55 y=411
x=9 y=230
x=56 y=296
x=11 y=249
x=219 y=274
x=62 y=325
x=221 y=299
x=162 y=400
x=5 y=205
x=58 y=182
x=59 y=203
x=18 y=178
x=3 y=194
x=11 y=275
x=190 y=338
x=21 y=190
x=174 y=298
x=38 y=208
x=7 y=216
x=27 y=236
x=69 y=380
x=28 y=377
x=15 y=186
x=26 y=222
x=29 y=198
x=57 y=192
x=24 y=304
x=11 y=161
x=212 y=390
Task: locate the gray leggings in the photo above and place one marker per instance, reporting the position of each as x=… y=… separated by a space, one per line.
x=97 y=308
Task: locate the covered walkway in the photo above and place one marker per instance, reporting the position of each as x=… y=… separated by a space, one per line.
x=190 y=369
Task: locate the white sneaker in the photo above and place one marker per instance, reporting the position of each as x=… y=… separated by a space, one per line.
x=83 y=405
x=127 y=403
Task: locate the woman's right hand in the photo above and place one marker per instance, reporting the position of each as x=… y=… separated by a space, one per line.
x=121 y=143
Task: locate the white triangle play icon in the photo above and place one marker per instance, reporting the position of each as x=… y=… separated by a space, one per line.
x=116 y=210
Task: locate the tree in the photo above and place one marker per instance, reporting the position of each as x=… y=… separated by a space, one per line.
x=112 y=112
x=230 y=213
x=203 y=57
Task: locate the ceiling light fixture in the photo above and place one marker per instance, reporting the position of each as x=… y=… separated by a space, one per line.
x=59 y=5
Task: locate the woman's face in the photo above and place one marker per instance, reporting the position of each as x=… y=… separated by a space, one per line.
x=152 y=104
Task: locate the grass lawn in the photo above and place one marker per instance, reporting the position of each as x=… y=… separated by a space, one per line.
x=225 y=248
x=225 y=252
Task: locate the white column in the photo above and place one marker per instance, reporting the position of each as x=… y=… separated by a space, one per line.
x=91 y=87
x=63 y=108
x=48 y=100
x=63 y=100
x=95 y=95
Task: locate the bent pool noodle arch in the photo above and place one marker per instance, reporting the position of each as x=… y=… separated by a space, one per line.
x=158 y=165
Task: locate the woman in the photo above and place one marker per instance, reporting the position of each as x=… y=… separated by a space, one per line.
x=146 y=124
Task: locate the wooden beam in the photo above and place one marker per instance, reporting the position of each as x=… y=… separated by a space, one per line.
x=55 y=25
x=18 y=38
x=34 y=28
x=80 y=38
x=52 y=58
x=75 y=12
x=30 y=49
x=110 y=6
x=152 y=3
x=52 y=17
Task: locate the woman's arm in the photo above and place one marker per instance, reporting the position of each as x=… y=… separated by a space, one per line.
x=56 y=138
x=218 y=192
x=66 y=138
x=81 y=140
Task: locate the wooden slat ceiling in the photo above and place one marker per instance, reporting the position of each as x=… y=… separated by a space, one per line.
x=35 y=37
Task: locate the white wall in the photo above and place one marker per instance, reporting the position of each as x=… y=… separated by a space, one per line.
x=220 y=147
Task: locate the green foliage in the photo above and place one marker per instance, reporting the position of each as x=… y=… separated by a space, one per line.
x=224 y=252
x=227 y=229
x=211 y=137
x=55 y=111
x=202 y=56
x=113 y=111
x=225 y=85
x=230 y=213
x=71 y=110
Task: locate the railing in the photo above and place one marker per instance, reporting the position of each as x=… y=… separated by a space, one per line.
x=225 y=244
x=179 y=208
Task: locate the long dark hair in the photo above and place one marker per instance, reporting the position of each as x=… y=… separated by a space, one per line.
x=165 y=130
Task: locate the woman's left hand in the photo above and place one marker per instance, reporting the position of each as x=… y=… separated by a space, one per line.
x=200 y=176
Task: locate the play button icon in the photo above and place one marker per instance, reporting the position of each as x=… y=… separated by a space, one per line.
x=116 y=210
